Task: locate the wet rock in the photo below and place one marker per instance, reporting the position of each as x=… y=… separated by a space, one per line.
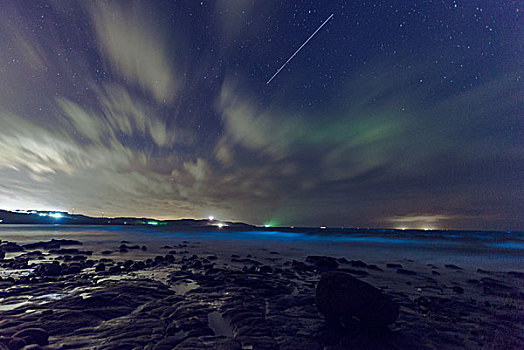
x=358 y=263
x=16 y=343
x=300 y=266
x=458 y=290
x=139 y=265
x=435 y=273
x=10 y=247
x=144 y=248
x=393 y=266
x=516 y=274
x=52 y=269
x=406 y=272
x=106 y=252
x=2 y=253
x=265 y=269
x=115 y=269
x=73 y=269
x=452 y=267
x=128 y=263
x=100 y=267
x=374 y=267
x=341 y=298
x=169 y=258
x=52 y=244
x=322 y=261
x=33 y=336
x=32 y=347
x=355 y=272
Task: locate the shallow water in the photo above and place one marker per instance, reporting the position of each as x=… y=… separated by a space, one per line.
x=486 y=249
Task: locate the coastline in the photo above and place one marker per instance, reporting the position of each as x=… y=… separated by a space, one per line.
x=194 y=293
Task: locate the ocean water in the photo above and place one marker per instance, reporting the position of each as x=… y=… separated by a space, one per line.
x=471 y=249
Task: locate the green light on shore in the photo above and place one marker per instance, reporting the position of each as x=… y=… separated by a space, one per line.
x=271 y=223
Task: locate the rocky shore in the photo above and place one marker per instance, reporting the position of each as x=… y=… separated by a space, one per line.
x=59 y=294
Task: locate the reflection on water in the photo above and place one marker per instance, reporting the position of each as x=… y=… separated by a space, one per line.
x=184 y=286
x=218 y=324
x=509 y=245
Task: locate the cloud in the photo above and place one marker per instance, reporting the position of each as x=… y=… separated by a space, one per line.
x=135 y=48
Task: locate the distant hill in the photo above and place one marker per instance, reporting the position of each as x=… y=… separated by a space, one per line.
x=63 y=218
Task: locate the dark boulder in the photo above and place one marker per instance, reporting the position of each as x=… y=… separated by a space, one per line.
x=458 y=290
x=52 y=244
x=406 y=272
x=452 y=267
x=393 y=266
x=33 y=336
x=341 y=298
x=100 y=267
x=52 y=269
x=10 y=247
x=322 y=261
x=2 y=253
x=358 y=263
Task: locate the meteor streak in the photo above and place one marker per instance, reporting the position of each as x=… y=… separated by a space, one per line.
x=293 y=55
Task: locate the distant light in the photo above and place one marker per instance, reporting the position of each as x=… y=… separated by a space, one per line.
x=56 y=215
x=211 y=218
x=152 y=223
x=266 y=225
x=1 y=220
x=221 y=224
x=42 y=214
x=323 y=227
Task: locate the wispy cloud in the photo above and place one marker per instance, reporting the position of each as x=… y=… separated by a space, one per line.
x=135 y=47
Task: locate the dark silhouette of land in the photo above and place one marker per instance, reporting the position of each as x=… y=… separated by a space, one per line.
x=32 y=217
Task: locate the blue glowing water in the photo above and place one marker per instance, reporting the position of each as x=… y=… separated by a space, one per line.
x=477 y=248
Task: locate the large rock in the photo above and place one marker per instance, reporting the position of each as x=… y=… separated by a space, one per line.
x=33 y=336
x=341 y=297
x=10 y=247
x=322 y=261
x=52 y=269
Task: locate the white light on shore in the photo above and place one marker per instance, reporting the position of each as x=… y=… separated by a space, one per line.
x=323 y=227
x=221 y=224
x=266 y=226
x=211 y=218
x=56 y=215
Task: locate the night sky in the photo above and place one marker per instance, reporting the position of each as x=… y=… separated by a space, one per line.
x=395 y=114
